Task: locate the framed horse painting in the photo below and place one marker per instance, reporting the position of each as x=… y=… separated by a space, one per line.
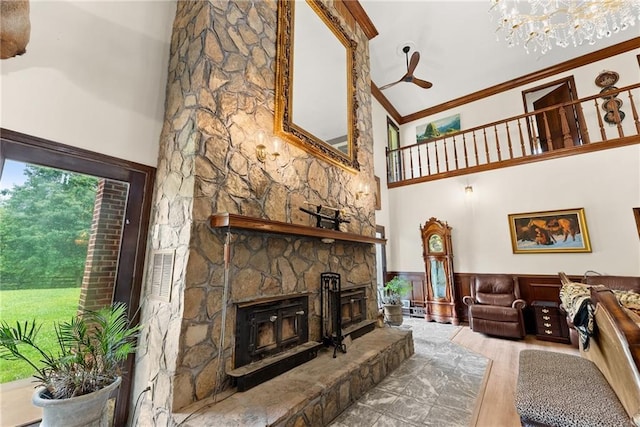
x=549 y=231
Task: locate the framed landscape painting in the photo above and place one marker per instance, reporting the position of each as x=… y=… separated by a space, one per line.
x=438 y=128
x=549 y=231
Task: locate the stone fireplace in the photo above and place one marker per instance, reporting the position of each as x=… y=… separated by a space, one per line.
x=220 y=93
x=275 y=300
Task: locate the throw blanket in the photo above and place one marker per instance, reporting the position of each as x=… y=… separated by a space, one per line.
x=576 y=300
x=628 y=299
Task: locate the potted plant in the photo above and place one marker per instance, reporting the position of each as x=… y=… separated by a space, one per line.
x=75 y=384
x=393 y=291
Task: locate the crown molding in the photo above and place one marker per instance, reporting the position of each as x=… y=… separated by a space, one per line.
x=377 y=94
x=355 y=8
x=526 y=79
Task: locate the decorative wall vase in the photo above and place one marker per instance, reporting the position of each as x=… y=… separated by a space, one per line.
x=15 y=28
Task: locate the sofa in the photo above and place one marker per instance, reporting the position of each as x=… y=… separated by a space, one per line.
x=600 y=387
x=616 y=283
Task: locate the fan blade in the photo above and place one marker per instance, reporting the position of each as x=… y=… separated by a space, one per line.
x=422 y=83
x=413 y=63
x=389 y=85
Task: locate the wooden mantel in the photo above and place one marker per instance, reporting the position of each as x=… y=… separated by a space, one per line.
x=225 y=219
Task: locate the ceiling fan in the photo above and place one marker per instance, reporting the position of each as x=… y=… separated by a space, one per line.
x=411 y=66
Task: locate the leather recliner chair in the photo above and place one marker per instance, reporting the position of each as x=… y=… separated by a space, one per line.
x=495 y=306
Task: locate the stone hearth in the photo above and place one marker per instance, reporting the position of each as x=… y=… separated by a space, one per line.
x=311 y=394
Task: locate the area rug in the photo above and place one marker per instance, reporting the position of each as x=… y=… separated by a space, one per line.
x=438 y=386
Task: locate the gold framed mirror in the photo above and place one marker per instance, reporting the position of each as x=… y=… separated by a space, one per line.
x=316 y=106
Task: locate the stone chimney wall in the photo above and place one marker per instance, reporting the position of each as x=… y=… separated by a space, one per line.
x=220 y=93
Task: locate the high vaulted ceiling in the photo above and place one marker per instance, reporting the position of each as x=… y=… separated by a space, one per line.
x=458 y=49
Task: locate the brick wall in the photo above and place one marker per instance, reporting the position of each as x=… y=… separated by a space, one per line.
x=101 y=266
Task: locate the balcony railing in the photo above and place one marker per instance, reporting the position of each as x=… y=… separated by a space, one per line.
x=606 y=120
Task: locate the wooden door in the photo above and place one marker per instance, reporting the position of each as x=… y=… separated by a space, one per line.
x=557 y=96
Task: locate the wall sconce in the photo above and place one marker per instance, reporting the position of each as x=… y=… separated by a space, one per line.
x=468 y=189
x=261 y=149
x=363 y=190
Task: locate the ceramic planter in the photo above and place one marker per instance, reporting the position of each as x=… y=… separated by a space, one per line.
x=82 y=411
x=393 y=314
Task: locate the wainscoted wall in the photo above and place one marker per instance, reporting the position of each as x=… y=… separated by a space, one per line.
x=220 y=93
x=533 y=287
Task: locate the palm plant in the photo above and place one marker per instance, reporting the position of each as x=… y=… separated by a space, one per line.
x=395 y=289
x=92 y=347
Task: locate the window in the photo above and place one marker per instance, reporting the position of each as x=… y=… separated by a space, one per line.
x=133 y=183
x=394 y=160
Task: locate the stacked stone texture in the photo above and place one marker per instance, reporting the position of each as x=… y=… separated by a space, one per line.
x=337 y=397
x=220 y=93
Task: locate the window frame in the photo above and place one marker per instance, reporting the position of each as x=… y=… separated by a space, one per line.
x=394 y=159
x=42 y=152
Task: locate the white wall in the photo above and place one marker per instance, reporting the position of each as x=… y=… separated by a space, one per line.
x=379 y=115
x=94 y=76
x=379 y=132
x=605 y=183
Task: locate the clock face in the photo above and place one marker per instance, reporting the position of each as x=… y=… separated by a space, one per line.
x=435 y=243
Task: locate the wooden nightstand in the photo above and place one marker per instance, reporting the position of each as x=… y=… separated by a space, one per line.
x=551 y=325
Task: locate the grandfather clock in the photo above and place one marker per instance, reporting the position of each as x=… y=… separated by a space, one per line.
x=438 y=260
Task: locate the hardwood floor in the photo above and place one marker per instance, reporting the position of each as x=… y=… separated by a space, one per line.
x=496 y=408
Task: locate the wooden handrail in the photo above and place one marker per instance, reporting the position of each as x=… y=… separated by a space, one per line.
x=525 y=115
x=505 y=143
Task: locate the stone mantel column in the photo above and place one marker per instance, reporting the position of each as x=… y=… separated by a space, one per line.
x=220 y=93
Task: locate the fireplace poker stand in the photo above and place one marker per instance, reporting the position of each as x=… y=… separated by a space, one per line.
x=330 y=294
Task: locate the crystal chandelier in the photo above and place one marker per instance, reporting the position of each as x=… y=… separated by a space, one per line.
x=538 y=24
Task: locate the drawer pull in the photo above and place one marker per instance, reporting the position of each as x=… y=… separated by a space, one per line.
x=544 y=310
x=548 y=332
x=546 y=317
x=547 y=325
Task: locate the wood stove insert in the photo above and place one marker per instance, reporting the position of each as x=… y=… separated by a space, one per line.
x=271 y=338
x=268 y=328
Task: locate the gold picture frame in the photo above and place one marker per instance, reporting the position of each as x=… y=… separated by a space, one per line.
x=636 y=215
x=560 y=231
